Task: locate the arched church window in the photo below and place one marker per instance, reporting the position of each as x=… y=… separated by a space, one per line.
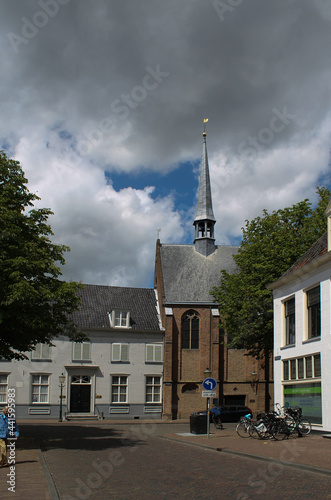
x=190 y=330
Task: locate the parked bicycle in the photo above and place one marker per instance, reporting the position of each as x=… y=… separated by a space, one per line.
x=243 y=426
x=290 y=421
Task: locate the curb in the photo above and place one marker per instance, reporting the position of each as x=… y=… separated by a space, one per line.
x=48 y=476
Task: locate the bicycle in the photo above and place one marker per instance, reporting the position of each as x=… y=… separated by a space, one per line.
x=216 y=417
x=295 y=422
x=265 y=425
x=242 y=427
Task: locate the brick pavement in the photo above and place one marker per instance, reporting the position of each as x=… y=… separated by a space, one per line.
x=33 y=480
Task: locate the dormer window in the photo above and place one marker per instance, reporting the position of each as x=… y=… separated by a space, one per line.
x=119 y=318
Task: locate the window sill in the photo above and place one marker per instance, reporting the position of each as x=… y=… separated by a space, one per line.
x=313 y=339
x=120 y=362
x=288 y=346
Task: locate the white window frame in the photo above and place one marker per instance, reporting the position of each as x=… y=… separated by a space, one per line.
x=39 y=382
x=309 y=358
x=119 y=318
x=81 y=351
x=118 y=383
x=120 y=352
x=3 y=388
x=154 y=353
x=153 y=389
x=41 y=351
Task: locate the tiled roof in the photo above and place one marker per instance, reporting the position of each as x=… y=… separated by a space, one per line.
x=189 y=276
x=316 y=250
x=99 y=300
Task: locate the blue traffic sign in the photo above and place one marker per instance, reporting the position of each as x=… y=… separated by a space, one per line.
x=209 y=384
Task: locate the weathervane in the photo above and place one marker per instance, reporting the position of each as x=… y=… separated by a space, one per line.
x=205 y=120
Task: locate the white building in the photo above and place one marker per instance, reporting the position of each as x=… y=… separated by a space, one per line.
x=302 y=334
x=116 y=374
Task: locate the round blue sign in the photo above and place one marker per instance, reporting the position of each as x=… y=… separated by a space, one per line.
x=209 y=384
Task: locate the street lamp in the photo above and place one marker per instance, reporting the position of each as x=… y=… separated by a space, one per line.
x=61 y=385
x=207 y=374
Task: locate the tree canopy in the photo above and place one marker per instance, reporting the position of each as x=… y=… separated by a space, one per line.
x=270 y=245
x=35 y=305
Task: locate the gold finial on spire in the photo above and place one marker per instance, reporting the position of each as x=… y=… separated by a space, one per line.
x=204 y=126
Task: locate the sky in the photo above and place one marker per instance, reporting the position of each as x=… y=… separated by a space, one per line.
x=103 y=101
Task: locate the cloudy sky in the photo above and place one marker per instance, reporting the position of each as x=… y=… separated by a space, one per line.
x=103 y=102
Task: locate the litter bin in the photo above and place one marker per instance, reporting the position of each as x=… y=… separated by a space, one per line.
x=198 y=423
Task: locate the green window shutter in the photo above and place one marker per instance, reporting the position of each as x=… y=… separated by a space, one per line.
x=116 y=356
x=149 y=352
x=125 y=352
x=86 y=351
x=36 y=353
x=45 y=351
x=158 y=353
x=77 y=353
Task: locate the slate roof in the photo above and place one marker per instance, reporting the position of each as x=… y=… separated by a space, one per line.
x=205 y=204
x=189 y=276
x=316 y=250
x=99 y=300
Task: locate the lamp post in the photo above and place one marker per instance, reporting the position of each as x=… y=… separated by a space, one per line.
x=207 y=374
x=61 y=385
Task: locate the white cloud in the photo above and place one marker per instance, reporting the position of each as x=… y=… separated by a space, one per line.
x=124 y=87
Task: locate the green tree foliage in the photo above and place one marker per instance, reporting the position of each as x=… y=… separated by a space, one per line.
x=270 y=245
x=35 y=305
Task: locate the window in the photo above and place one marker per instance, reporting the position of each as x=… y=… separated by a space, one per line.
x=81 y=351
x=154 y=353
x=40 y=388
x=302 y=368
x=120 y=352
x=317 y=365
x=41 y=351
x=314 y=312
x=153 y=389
x=3 y=387
x=190 y=330
x=285 y=370
x=119 y=389
x=309 y=367
x=293 y=367
x=119 y=319
x=290 y=321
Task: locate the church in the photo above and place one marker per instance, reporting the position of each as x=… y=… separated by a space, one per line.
x=194 y=342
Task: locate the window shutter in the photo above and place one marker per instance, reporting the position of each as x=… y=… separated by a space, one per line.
x=149 y=352
x=125 y=352
x=116 y=352
x=158 y=353
x=77 y=351
x=36 y=353
x=86 y=351
x=45 y=351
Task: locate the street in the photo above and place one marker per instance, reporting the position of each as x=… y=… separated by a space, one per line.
x=131 y=461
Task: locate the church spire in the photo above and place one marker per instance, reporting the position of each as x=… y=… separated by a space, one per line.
x=204 y=220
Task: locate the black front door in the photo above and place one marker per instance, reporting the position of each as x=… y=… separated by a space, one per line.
x=80 y=398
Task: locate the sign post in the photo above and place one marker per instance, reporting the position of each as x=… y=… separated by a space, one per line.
x=209 y=384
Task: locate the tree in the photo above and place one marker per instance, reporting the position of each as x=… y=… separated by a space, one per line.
x=270 y=245
x=35 y=305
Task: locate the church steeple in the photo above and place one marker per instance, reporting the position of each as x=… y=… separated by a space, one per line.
x=204 y=220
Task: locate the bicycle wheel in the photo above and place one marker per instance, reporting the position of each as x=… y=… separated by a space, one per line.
x=304 y=426
x=280 y=431
x=218 y=423
x=253 y=432
x=243 y=429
